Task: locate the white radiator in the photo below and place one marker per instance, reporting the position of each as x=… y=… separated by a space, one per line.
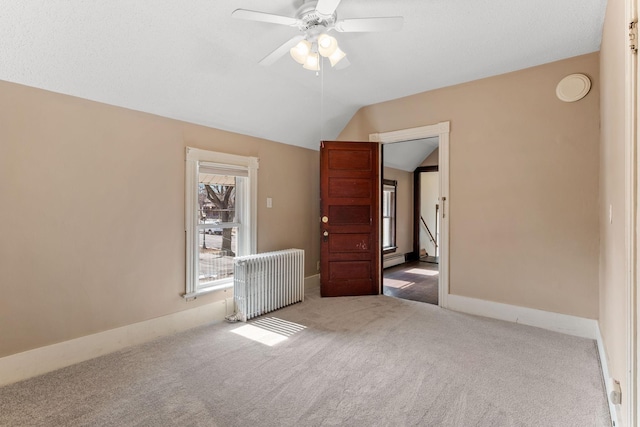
x=268 y=281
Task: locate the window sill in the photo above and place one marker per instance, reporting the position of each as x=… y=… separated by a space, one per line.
x=389 y=250
x=208 y=290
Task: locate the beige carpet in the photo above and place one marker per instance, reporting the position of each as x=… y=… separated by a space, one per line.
x=360 y=361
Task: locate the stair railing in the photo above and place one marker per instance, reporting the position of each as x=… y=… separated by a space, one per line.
x=435 y=243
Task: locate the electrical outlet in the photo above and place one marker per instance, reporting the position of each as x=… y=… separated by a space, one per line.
x=269 y=202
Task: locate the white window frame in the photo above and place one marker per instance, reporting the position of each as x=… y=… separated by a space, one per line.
x=248 y=215
x=391 y=187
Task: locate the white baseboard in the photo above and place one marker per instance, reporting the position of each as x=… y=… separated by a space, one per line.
x=312 y=282
x=391 y=260
x=20 y=366
x=571 y=325
x=566 y=324
x=614 y=410
x=31 y=363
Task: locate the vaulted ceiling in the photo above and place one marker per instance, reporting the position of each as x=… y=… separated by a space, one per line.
x=192 y=61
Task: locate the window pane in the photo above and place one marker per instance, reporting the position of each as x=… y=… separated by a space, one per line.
x=218 y=247
x=217 y=241
x=388 y=215
x=216 y=201
x=385 y=204
x=386 y=232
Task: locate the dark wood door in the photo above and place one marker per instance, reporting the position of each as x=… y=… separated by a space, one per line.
x=349 y=227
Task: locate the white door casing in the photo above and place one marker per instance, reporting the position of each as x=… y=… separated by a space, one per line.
x=441 y=130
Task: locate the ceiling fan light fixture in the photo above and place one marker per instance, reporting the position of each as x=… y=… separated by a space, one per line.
x=327 y=45
x=315 y=19
x=336 y=56
x=300 y=52
x=312 y=63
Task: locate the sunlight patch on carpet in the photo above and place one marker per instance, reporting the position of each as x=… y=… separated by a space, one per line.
x=279 y=326
x=269 y=330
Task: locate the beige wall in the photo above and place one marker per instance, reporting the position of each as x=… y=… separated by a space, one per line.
x=92 y=219
x=612 y=184
x=432 y=159
x=404 y=208
x=429 y=196
x=523 y=184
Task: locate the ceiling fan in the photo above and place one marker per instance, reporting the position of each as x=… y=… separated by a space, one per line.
x=315 y=19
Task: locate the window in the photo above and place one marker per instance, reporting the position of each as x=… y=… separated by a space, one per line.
x=220 y=217
x=389 y=215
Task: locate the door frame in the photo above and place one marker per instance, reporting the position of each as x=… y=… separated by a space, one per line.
x=441 y=130
x=632 y=220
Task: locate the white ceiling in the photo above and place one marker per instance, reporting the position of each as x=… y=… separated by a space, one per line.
x=191 y=61
x=408 y=155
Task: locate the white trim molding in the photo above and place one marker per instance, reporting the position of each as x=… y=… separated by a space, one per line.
x=631 y=223
x=392 y=260
x=441 y=130
x=563 y=323
x=223 y=158
x=614 y=410
x=20 y=366
x=311 y=283
x=31 y=363
x=411 y=133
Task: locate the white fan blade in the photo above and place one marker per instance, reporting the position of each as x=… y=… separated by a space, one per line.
x=253 y=15
x=281 y=51
x=364 y=25
x=344 y=63
x=327 y=7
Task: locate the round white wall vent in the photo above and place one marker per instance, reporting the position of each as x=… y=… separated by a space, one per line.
x=573 y=88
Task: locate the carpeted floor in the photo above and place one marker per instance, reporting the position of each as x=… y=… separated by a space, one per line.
x=358 y=361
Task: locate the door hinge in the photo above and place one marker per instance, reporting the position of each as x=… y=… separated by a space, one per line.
x=633 y=36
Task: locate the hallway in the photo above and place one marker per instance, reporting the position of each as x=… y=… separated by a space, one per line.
x=416 y=281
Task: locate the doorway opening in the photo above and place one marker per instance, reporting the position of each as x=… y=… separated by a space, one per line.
x=410 y=223
x=403 y=256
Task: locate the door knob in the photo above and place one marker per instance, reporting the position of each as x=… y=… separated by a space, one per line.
x=325 y=219
x=326 y=235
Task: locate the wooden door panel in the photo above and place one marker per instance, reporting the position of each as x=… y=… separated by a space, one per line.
x=350 y=193
x=353 y=287
x=349 y=256
x=350 y=187
x=351 y=242
x=350 y=270
x=350 y=160
x=344 y=215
